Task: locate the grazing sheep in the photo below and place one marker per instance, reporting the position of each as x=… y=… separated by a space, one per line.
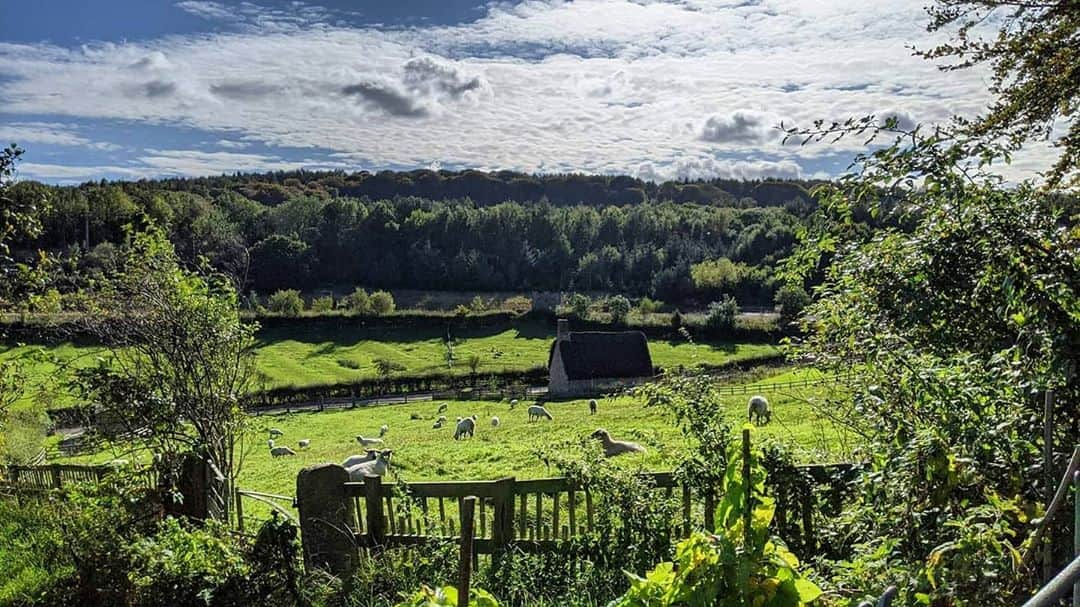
x=442 y=407
x=442 y=418
x=274 y=433
x=367 y=442
x=281 y=451
x=513 y=403
x=465 y=426
x=495 y=421
x=383 y=430
x=376 y=467
x=536 y=412
x=615 y=447
x=305 y=443
x=592 y=406
x=757 y=410
x=438 y=424
x=353 y=460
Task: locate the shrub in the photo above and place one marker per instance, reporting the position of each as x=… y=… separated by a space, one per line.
x=448 y=596
x=792 y=299
x=649 y=306
x=359 y=301
x=48 y=302
x=518 y=304
x=721 y=314
x=24 y=435
x=322 y=304
x=579 y=304
x=479 y=304
x=381 y=303
x=286 y=302
x=618 y=307
x=676 y=320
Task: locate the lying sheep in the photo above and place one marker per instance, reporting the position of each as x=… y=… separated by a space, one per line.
x=592 y=406
x=383 y=430
x=495 y=421
x=757 y=410
x=353 y=460
x=366 y=442
x=536 y=412
x=281 y=451
x=615 y=447
x=274 y=433
x=377 y=467
x=465 y=426
x=438 y=424
x=305 y=443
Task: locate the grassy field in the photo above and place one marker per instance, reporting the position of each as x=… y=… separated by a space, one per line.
x=303 y=357
x=422 y=453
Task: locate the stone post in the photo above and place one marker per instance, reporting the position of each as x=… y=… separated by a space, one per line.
x=327 y=516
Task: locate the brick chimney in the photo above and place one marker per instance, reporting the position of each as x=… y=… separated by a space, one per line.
x=562 y=330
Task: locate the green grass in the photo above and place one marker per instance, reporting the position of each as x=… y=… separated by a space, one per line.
x=422 y=453
x=295 y=356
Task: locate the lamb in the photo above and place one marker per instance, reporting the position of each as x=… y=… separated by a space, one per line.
x=274 y=433
x=305 y=443
x=383 y=430
x=495 y=421
x=592 y=406
x=376 y=467
x=513 y=403
x=442 y=407
x=757 y=410
x=466 y=425
x=367 y=442
x=353 y=460
x=281 y=451
x=615 y=447
x=536 y=412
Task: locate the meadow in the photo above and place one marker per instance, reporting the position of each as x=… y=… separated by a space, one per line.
x=313 y=355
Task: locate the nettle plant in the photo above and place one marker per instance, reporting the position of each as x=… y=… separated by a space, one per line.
x=741 y=565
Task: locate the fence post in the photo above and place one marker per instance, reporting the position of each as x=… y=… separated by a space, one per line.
x=239 y=511
x=326 y=516
x=468 y=508
x=748 y=497
x=56 y=476
x=376 y=521
x=502 y=532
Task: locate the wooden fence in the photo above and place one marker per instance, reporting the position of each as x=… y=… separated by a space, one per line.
x=785 y=385
x=57 y=476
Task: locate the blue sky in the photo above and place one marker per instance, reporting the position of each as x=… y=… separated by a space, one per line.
x=658 y=89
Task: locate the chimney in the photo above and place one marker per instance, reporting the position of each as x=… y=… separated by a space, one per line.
x=562 y=331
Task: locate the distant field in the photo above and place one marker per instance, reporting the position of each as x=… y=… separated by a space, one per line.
x=421 y=453
x=303 y=357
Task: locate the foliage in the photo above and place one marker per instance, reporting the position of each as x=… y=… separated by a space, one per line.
x=322 y=304
x=448 y=596
x=619 y=308
x=721 y=314
x=23 y=435
x=286 y=302
x=649 y=306
x=518 y=304
x=676 y=320
x=359 y=301
x=381 y=303
x=579 y=304
x=385 y=367
x=792 y=300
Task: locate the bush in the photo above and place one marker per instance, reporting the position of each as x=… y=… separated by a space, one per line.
x=792 y=299
x=518 y=304
x=676 y=320
x=48 y=302
x=649 y=306
x=359 y=301
x=24 y=435
x=579 y=304
x=382 y=303
x=618 y=307
x=721 y=314
x=322 y=304
x=286 y=302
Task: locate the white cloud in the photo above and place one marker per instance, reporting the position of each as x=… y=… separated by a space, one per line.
x=49 y=133
x=542 y=85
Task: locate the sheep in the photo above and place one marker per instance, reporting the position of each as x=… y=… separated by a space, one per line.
x=376 y=467
x=536 y=412
x=438 y=424
x=592 y=406
x=274 y=433
x=353 y=460
x=281 y=451
x=442 y=407
x=757 y=410
x=305 y=443
x=466 y=425
x=442 y=418
x=383 y=430
x=367 y=442
x=615 y=447
x=270 y=443
x=495 y=421
x=513 y=403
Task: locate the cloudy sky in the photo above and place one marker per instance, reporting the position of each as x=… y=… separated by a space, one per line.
x=683 y=88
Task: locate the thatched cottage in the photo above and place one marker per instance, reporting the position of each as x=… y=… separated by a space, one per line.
x=588 y=362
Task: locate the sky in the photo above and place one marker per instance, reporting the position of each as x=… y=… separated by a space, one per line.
x=679 y=89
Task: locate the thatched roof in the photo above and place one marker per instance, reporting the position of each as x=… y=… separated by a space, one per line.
x=594 y=355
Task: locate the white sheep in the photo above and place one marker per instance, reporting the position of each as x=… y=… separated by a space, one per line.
x=376 y=467
x=353 y=460
x=305 y=443
x=274 y=433
x=270 y=443
x=442 y=407
x=513 y=403
x=536 y=412
x=367 y=442
x=438 y=424
x=281 y=451
x=495 y=421
x=592 y=406
x=383 y=430
x=442 y=418
x=465 y=426
x=758 y=411
x=614 y=447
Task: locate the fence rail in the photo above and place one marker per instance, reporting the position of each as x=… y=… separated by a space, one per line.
x=772 y=387
x=57 y=476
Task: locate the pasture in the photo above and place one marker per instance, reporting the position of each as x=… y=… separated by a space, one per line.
x=298 y=355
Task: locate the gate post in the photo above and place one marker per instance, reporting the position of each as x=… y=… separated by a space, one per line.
x=502 y=532
x=327 y=516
